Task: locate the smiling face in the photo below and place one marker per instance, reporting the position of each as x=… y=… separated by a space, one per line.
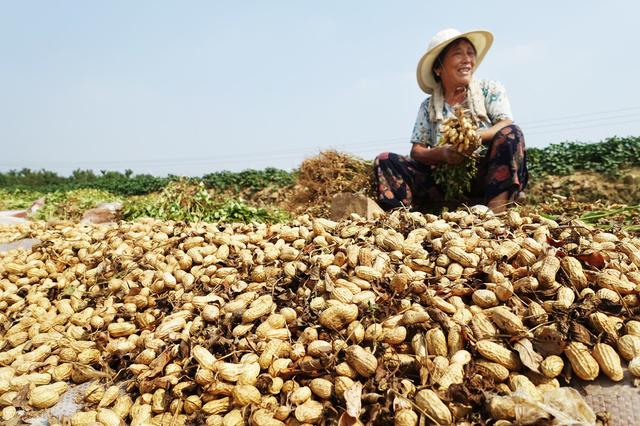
x=455 y=65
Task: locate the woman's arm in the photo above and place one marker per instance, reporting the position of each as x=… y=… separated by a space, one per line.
x=488 y=134
x=437 y=155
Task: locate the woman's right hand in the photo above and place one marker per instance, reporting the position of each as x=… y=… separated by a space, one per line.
x=450 y=155
x=438 y=155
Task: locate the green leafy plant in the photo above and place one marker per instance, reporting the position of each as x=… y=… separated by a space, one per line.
x=72 y=204
x=129 y=184
x=185 y=201
x=17 y=199
x=456 y=179
x=606 y=157
x=252 y=180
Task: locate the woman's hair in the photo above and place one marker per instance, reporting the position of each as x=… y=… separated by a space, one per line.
x=440 y=59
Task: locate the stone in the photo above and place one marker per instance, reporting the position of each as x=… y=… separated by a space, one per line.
x=35 y=206
x=103 y=213
x=344 y=204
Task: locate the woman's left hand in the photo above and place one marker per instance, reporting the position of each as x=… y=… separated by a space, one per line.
x=488 y=134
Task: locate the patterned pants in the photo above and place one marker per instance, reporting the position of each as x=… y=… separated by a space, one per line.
x=403 y=181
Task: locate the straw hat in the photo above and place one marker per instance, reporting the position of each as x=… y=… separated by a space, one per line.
x=480 y=39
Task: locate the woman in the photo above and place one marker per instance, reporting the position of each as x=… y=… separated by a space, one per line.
x=445 y=72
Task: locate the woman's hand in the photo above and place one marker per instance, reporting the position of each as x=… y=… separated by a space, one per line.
x=450 y=155
x=488 y=134
x=437 y=155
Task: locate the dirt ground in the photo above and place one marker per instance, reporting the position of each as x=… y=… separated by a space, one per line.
x=589 y=187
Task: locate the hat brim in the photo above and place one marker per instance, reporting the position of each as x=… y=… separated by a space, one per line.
x=481 y=40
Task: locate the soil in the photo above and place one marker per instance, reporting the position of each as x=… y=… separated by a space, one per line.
x=589 y=187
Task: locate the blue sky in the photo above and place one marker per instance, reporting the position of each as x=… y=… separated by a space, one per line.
x=193 y=87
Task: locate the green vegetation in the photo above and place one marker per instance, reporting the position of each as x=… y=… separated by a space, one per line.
x=625 y=217
x=129 y=184
x=170 y=198
x=71 y=204
x=456 y=180
x=221 y=196
x=252 y=180
x=118 y=183
x=606 y=157
x=599 y=214
x=18 y=199
x=181 y=200
x=563 y=158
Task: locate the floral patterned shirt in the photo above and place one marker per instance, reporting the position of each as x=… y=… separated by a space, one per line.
x=495 y=101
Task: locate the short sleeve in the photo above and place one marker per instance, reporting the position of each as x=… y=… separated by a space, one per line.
x=496 y=101
x=422 y=130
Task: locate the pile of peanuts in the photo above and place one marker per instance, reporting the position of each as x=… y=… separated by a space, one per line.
x=407 y=319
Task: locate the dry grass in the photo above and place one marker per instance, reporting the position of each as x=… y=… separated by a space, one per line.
x=327 y=174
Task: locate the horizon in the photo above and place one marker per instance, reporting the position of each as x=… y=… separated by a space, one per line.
x=132 y=173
